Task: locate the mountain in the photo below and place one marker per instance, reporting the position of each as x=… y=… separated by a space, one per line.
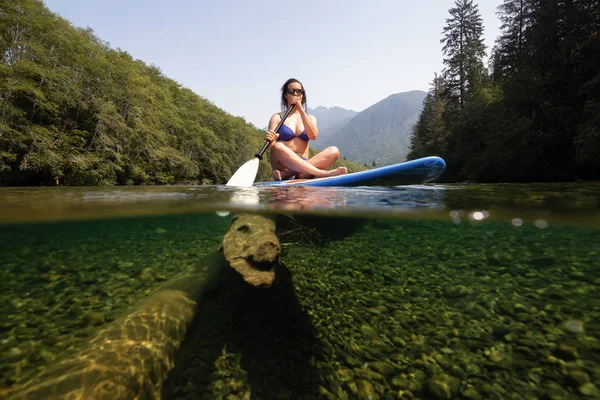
x=381 y=133
x=329 y=121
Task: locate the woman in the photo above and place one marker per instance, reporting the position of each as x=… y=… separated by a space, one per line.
x=289 y=147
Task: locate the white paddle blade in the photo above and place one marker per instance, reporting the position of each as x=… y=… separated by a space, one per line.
x=243 y=177
x=246 y=174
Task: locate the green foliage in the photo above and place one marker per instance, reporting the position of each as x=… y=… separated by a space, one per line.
x=75 y=111
x=538 y=118
x=464 y=50
x=586 y=142
x=430 y=133
x=510 y=47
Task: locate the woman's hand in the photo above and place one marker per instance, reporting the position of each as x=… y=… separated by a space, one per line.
x=297 y=100
x=271 y=137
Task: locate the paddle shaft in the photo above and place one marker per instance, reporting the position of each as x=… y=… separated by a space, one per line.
x=266 y=145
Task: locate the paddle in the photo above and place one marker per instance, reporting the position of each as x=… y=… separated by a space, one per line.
x=246 y=174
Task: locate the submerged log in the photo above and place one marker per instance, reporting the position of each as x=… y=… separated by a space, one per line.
x=128 y=359
x=252 y=248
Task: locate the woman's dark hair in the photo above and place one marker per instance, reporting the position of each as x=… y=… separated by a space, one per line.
x=284 y=90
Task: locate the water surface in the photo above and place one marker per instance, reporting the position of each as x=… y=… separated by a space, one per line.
x=432 y=291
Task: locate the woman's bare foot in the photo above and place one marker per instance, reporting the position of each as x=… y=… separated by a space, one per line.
x=287 y=174
x=337 y=171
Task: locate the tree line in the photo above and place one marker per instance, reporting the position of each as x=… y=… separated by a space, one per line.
x=533 y=112
x=74 y=111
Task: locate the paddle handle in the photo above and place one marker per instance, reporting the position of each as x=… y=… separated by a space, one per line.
x=267 y=143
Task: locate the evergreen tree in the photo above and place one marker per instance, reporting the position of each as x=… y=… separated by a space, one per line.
x=515 y=16
x=463 y=49
x=560 y=86
x=539 y=121
x=429 y=133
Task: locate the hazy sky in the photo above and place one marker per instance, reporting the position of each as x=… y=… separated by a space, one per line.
x=237 y=54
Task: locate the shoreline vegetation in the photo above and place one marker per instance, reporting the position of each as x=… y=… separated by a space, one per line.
x=73 y=111
x=531 y=115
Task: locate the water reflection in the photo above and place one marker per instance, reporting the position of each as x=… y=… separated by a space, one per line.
x=305 y=198
x=514 y=204
x=357 y=199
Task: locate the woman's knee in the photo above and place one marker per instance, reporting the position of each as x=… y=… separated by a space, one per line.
x=333 y=151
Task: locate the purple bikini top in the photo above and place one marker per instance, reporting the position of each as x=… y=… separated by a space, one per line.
x=286 y=134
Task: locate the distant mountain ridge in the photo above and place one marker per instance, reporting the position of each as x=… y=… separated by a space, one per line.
x=330 y=120
x=380 y=133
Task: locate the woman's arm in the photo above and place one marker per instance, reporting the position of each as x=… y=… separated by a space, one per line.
x=310 y=124
x=271 y=135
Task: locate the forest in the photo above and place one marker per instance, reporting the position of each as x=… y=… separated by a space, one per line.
x=73 y=111
x=533 y=112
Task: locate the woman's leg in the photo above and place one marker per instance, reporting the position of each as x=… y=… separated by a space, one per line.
x=286 y=157
x=324 y=159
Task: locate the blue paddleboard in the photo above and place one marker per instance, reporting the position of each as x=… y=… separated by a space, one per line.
x=412 y=172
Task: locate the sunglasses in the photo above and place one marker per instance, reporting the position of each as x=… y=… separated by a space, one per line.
x=295 y=91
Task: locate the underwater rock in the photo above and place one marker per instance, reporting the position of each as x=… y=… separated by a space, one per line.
x=417 y=380
x=405 y=394
x=443 y=361
x=486 y=388
x=400 y=382
x=443 y=387
x=252 y=248
x=368 y=331
x=324 y=393
x=456 y=291
x=345 y=374
x=366 y=390
x=471 y=393
x=574 y=326
x=350 y=360
x=398 y=341
x=13 y=354
x=383 y=367
x=151 y=274
x=577 y=378
x=495 y=355
x=589 y=389
x=368 y=375
x=373 y=310
x=94 y=318
x=567 y=353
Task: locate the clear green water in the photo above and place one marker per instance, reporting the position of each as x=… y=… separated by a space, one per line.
x=472 y=292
